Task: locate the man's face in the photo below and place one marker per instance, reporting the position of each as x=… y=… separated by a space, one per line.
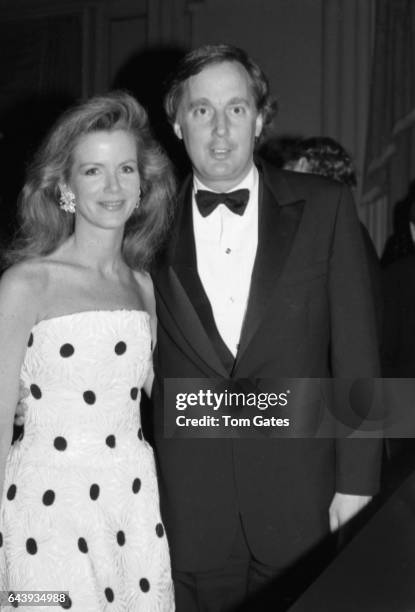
x=218 y=122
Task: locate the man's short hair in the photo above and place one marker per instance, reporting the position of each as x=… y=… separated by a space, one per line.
x=195 y=61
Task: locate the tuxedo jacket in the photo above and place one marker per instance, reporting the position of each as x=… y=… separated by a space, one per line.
x=309 y=314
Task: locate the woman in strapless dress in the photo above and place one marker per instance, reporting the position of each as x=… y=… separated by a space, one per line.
x=80 y=524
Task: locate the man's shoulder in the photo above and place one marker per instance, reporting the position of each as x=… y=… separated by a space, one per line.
x=303 y=183
x=321 y=196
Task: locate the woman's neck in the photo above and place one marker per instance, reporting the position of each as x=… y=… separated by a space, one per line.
x=99 y=251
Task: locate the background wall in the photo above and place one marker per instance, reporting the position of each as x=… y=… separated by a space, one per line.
x=286 y=38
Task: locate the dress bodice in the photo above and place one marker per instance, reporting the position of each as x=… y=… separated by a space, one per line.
x=84 y=372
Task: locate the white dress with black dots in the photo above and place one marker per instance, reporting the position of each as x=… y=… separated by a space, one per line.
x=80 y=508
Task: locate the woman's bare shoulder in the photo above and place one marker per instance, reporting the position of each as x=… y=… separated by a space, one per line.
x=30 y=275
x=24 y=286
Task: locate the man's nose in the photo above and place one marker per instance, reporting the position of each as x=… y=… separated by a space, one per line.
x=220 y=123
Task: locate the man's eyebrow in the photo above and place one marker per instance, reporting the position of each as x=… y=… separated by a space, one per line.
x=198 y=102
x=239 y=100
x=204 y=101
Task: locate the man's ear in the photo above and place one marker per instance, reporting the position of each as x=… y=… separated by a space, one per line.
x=259 y=123
x=178 y=130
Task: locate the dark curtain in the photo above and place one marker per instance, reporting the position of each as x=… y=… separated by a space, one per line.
x=40 y=75
x=390 y=151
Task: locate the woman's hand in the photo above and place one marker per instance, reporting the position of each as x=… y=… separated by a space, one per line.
x=21 y=406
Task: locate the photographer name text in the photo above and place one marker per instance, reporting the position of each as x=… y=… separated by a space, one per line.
x=226 y=420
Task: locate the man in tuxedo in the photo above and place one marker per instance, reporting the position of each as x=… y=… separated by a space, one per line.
x=266 y=280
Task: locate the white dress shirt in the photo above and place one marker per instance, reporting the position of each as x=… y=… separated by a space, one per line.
x=226 y=245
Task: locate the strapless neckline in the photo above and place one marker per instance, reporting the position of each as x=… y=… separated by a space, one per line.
x=95 y=312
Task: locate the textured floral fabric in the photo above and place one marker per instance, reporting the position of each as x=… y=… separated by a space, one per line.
x=80 y=508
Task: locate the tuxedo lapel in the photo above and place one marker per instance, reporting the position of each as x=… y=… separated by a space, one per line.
x=191 y=307
x=193 y=336
x=280 y=212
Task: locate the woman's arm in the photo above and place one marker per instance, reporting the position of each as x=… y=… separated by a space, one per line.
x=18 y=314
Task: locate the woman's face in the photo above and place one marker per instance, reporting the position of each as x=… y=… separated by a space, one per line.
x=105 y=179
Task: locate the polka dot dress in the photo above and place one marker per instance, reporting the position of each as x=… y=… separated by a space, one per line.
x=80 y=508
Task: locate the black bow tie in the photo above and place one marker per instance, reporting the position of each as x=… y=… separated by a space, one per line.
x=236 y=201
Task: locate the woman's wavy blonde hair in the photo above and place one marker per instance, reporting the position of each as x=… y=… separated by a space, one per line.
x=44 y=226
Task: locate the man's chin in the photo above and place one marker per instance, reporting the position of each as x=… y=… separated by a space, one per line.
x=223 y=173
